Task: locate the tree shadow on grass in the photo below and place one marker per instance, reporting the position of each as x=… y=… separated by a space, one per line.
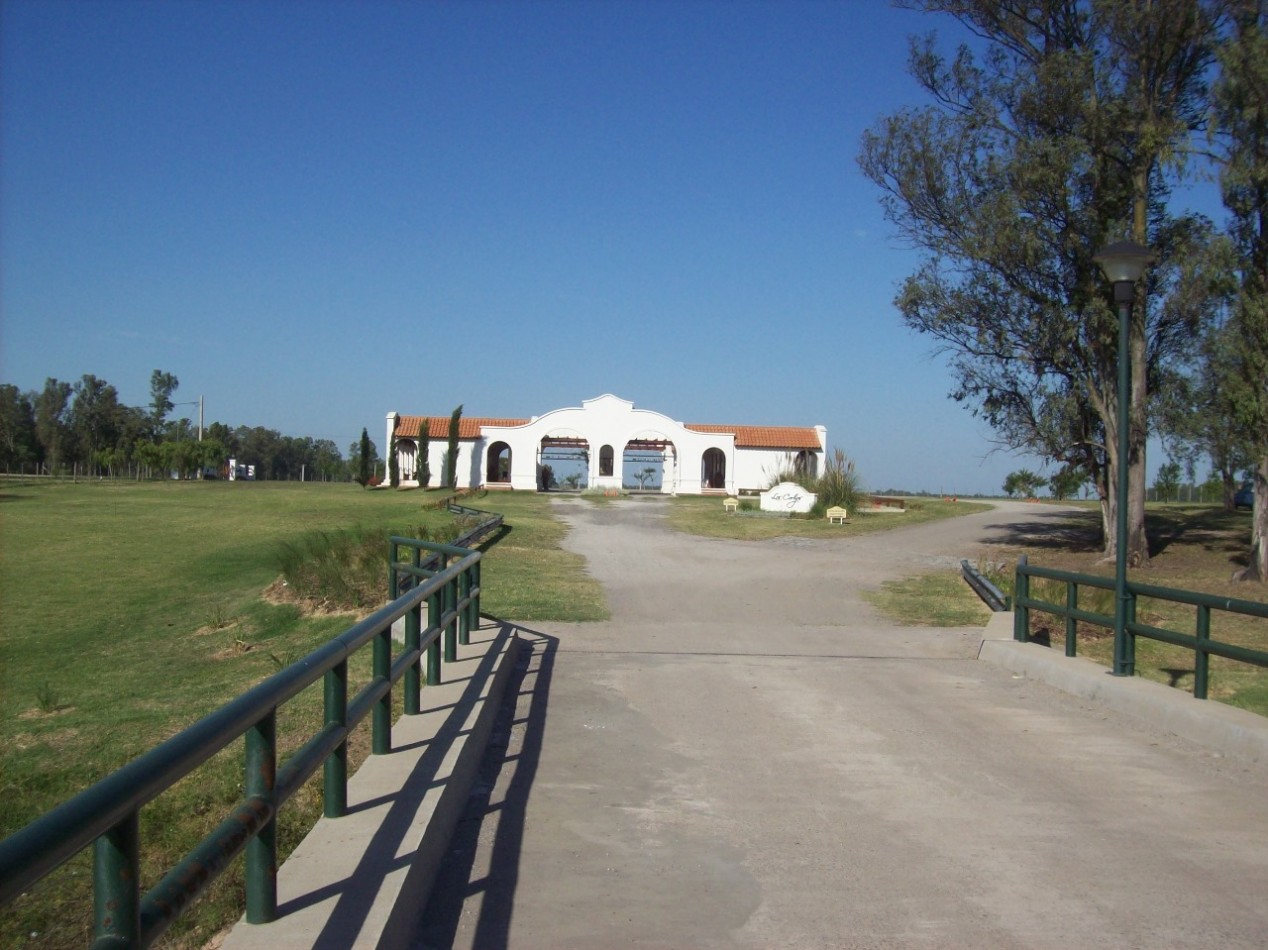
x=1214 y=530
x=1074 y=532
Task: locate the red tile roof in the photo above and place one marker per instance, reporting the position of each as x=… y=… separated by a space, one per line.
x=746 y=437
x=409 y=427
x=766 y=437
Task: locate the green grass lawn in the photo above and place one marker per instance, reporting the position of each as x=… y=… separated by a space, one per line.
x=130 y=610
x=705 y=516
x=1194 y=547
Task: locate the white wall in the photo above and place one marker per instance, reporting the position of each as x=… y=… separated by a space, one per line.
x=609 y=420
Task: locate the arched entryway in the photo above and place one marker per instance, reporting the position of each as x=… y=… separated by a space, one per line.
x=497 y=469
x=806 y=462
x=563 y=461
x=649 y=463
x=713 y=470
x=406 y=458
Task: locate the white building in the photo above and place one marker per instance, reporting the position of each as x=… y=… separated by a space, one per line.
x=607 y=444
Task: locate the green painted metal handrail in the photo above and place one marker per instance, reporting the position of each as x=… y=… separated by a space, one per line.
x=106 y=814
x=1199 y=641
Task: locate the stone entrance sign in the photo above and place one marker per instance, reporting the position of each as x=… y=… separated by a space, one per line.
x=788 y=497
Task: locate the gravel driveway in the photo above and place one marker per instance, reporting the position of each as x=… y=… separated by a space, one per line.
x=747 y=755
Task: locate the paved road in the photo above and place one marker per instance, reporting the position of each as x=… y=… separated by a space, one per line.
x=746 y=755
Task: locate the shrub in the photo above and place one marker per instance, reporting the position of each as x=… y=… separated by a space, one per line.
x=347 y=570
x=838 y=486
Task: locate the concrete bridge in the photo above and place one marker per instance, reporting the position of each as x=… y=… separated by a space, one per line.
x=748 y=755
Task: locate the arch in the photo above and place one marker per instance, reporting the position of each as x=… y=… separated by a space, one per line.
x=406 y=456
x=497 y=469
x=563 y=461
x=649 y=463
x=606 y=461
x=713 y=469
x=806 y=463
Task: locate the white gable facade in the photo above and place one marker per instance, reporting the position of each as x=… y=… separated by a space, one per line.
x=613 y=442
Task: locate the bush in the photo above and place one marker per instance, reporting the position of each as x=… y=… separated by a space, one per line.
x=838 y=486
x=347 y=570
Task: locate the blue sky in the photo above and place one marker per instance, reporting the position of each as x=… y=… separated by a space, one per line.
x=315 y=213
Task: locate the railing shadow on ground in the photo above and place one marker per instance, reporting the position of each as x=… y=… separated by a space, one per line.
x=498 y=801
x=355 y=894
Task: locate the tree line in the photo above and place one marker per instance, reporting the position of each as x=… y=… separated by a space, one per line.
x=1068 y=125
x=82 y=428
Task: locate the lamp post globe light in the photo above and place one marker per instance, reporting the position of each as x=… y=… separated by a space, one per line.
x=1124 y=264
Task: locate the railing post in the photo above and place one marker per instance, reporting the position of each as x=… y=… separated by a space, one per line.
x=1021 y=594
x=261 y=853
x=1202 y=659
x=434 y=612
x=464 y=618
x=478 y=569
x=1129 y=638
x=381 y=739
x=117 y=885
x=450 y=596
x=335 y=768
x=1071 y=625
x=413 y=638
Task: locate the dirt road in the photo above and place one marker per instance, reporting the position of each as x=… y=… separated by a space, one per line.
x=746 y=755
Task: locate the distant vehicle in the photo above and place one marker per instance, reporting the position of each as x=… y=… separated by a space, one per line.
x=1245 y=498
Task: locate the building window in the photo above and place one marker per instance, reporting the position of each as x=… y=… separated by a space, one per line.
x=605 y=460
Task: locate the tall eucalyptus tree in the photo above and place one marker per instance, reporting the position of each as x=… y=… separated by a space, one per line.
x=1057 y=135
x=1241 y=130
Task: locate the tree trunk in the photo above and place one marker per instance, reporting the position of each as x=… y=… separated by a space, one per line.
x=1257 y=569
x=1229 y=480
x=1137 y=485
x=1137 y=540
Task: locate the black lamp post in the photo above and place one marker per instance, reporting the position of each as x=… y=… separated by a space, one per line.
x=1124 y=264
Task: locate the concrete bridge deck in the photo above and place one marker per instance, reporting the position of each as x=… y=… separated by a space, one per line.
x=747 y=755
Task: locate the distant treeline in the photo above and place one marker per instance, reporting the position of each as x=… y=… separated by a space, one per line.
x=82 y=428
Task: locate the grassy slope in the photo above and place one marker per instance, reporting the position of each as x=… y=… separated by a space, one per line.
x=131 y=610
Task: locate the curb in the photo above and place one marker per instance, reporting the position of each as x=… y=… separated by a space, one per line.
x=361 y=880
x=1220 y=727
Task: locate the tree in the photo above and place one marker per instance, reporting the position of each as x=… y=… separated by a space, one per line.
x=95 y=417
x=51 y=407
x=1240 y=98
x=1051 y=144
x=1024 y=483
x=644 y=475
x=261 y=447
x=423 y=465
x=326 y=459
x=162 y=385
x=1198 y=409
x=451 y=457
x=18 y=444
x=1067 y=482
x=1167 y=481
x=364 y=459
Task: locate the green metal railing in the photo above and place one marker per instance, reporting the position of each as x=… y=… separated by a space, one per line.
x=1199 y=641
x=106 y=815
